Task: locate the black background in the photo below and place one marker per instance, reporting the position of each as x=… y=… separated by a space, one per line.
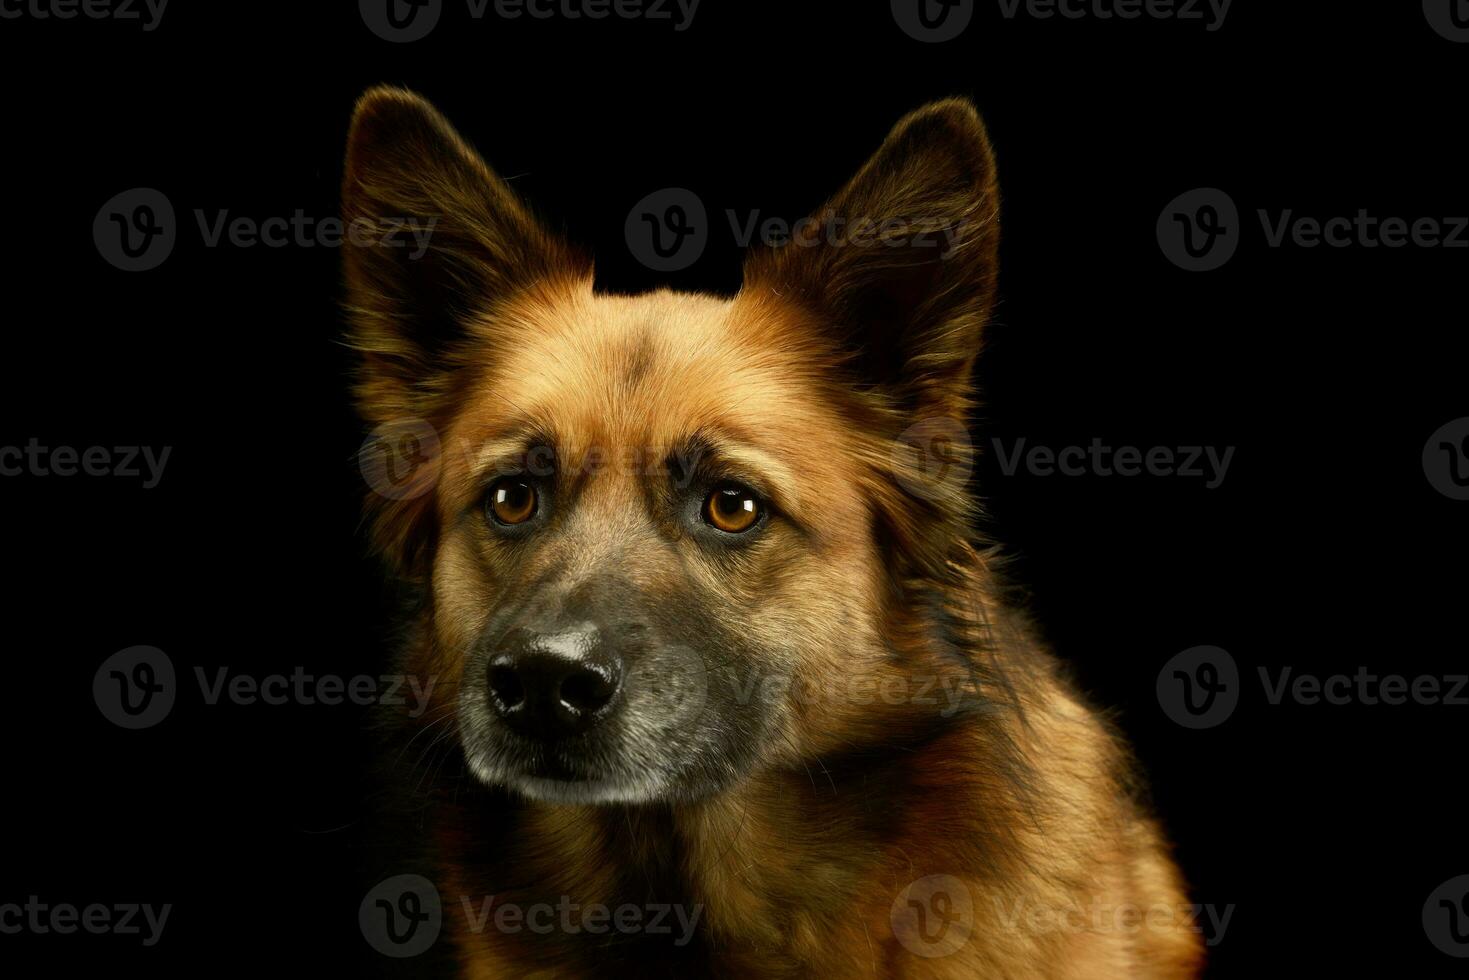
x=1324 y=549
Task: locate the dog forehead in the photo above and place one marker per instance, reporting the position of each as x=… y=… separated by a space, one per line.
x=636 y=368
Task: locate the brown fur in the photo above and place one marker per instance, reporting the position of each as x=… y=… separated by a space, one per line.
x=807 y=378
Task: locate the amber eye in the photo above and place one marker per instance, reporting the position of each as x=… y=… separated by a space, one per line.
x=512 y=501
x=732 y=509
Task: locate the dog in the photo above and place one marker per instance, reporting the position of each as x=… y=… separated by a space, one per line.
x=727 y=682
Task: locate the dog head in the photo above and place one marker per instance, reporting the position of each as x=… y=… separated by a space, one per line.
x=643 y=525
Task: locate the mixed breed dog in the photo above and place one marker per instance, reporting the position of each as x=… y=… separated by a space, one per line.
x=698 y=610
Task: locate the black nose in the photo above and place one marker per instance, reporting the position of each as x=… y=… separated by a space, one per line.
x=549 y=685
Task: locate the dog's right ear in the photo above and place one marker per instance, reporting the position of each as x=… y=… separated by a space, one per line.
x=901 y=264
x=435 y=241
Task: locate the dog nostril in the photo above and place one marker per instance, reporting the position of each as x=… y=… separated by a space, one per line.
x=506 y=686
x=587 y=690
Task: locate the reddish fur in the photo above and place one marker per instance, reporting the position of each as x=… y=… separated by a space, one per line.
x=824 y=358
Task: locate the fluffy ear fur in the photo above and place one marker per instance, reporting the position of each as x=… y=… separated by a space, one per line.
x=894 y=281
x=900 y=265
x=436 y=242
x=414 y=310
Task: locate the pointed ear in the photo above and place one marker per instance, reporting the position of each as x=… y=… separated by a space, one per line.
x=435 y=240
x=899 y=267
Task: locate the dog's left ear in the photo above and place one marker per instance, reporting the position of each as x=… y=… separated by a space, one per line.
x=900 y=266
x=437 y=240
